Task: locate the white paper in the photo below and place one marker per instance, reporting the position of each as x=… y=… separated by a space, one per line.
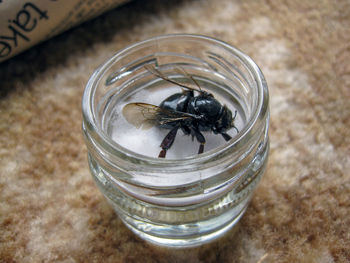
x=26 y=23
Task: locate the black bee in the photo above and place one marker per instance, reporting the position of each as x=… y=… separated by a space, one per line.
x=192 y=114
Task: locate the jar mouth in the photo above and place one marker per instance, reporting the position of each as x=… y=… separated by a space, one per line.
x=94 y=130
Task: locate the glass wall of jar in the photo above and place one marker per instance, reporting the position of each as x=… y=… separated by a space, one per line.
x=185 y=199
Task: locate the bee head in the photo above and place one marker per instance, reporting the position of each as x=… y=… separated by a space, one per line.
x=225 y=121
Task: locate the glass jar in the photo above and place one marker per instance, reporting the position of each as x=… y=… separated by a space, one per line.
x=178 y=201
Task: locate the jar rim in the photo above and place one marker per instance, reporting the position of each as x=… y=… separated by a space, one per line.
x=100 y=137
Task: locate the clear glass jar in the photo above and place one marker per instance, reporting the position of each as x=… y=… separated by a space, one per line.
x=181 y=201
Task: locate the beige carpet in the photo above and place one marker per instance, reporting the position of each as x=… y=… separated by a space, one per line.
x=50 y=208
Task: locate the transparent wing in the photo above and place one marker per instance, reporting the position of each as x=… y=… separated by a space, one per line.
x=184 y=72
x=180 y=70
x=144 y=115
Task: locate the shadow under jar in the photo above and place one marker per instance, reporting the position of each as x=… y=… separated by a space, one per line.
x=185 y=199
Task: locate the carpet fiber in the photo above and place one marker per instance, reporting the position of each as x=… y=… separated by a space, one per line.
x=50 y=208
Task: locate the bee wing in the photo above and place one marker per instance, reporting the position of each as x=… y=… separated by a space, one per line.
x=184 y=72
x=159 y=74
x=145 y=116
x=141 y=115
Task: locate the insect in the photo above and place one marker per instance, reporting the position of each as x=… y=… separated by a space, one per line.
x=191 y=113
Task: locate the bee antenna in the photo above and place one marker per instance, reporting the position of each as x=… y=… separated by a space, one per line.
x=234 y=117
x=233 y=122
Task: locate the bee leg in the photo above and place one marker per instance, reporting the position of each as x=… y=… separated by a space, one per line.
x=186 y=130
x=201 y=148
x=200 y=138
x=226 y=136
x=193 y=134
x=168 y=141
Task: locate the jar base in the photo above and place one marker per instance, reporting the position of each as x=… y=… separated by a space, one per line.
x=178 y=241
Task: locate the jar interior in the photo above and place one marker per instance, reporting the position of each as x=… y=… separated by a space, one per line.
x=126 y=79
